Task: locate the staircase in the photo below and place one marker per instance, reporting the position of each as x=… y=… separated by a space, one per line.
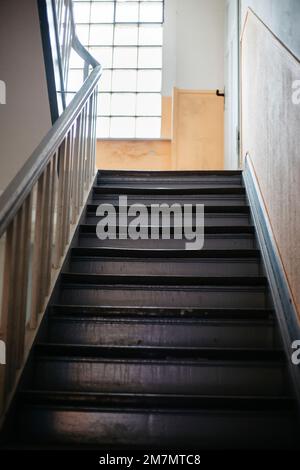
x=148 y=345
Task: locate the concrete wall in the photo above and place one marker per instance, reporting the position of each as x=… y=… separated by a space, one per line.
x=25 y=118
x=193 y=52
x=271 y=122
x=281 y=16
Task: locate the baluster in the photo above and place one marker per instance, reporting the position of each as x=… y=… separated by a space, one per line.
x=94 y=148
x=65 y=201
x=60 y=202
x=9 y=299
x=92 y=164
x=82 y=158
x=38 y=254
x=90 y=142
x=87 y=145
x=69 y=185
x=52 y=188
x=75 y=195
x=84 y=151
x=45 y=235
x=24 y=276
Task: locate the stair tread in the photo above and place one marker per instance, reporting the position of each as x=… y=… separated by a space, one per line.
x=217 y=209
x=140 y=353
x=167 y=401
x=137 y=312
x=168 y=173
x=156 y=430
x=151 y=320
x=217 y=229
x=164 y=190
x=157 y=280
x=160 y=253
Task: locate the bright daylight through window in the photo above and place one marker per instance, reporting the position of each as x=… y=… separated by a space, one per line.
x=126 y=37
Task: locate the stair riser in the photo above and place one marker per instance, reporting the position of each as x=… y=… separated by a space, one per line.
x=219 y=378
x=211 y=242
x=172 y=185
x=139 y=333
x=169 y=174
x=211 y=220
x=201 y=430
x=197 y=267
x=210 y=200
x=167 y=297
x=173 y=182
x=109 y=313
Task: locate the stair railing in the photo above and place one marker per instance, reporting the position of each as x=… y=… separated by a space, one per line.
x=38 y=214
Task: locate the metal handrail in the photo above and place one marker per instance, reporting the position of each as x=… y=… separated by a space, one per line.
x=77 y=45
x=22 y=184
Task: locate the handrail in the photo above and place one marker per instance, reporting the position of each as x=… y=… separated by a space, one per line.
x=59 y=37
x=84 y=53
x=39 y=211
x=19 y=188
x=77 y=46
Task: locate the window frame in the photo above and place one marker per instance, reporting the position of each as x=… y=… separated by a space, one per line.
x=113 y=69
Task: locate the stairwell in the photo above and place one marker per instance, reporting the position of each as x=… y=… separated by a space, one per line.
x=148 y=345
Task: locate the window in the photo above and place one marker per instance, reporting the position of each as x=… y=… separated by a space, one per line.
x=126 y=37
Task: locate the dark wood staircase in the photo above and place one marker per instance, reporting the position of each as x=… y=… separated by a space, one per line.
x=147 y=345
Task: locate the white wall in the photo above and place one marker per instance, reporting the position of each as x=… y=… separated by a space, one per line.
x=193 y=53
x=25 y=118
x=281 y=16
x=232 y=85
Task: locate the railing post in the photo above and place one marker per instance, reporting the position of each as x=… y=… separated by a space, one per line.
x=9 y=300
x=52 y=194
x=60 y=202
x=38 y=254
x=45 y=234
x=69 y=166
x=24 y=276
x=94 y=148
x=76 y=176
x=82 y=156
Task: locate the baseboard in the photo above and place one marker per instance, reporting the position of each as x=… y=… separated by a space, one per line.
x=283 y=301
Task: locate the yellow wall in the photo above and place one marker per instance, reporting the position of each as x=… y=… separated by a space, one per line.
x=134 y=155
x=166 y=117
x=198 y=130
x=270 y=134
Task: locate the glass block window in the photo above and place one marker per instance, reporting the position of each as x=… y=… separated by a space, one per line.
x=126 y=37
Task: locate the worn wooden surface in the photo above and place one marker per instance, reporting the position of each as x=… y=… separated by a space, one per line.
x=198 y=130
